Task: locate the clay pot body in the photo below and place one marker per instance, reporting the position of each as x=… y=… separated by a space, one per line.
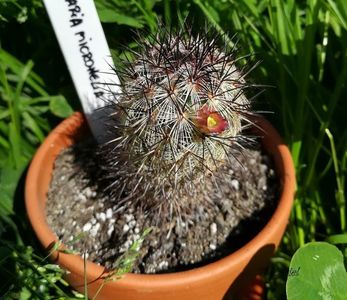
x=215 y=281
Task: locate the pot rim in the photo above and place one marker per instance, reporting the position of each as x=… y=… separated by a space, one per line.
x=75 y=263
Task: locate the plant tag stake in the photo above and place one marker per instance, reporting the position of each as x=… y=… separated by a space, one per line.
x=87 y=55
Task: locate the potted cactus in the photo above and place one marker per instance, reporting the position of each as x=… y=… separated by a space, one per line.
x=180 y=158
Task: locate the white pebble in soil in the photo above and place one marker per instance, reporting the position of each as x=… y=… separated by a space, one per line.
x=89 y=193
x=125 y=246
x=102 y=217
x=125 y=228
x=110 y=231
x=163 y=264
x=94 y=230
x=109 y=213
x=235 y=184
x=252 y=161
x=87 y=227
x=213 y=228
x=132 y=224
x=263 y=168
x=82 y=197
x=128 y=217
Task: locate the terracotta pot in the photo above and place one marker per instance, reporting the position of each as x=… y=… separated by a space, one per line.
x=215 y=281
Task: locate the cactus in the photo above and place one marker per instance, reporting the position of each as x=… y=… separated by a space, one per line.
x=181 y=111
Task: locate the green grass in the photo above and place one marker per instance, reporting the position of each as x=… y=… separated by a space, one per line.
x=302 y=46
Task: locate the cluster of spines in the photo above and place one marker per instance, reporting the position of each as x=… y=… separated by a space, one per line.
x=181 y=110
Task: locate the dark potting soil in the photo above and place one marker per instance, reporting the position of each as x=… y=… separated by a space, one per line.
x=241 y=206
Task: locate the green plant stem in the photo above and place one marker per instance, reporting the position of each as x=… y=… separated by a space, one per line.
x=214 y=23
x=167 y=12
x=299 y=217
x=25 y=262
x=151 y=21
x=305 y=64
x=341 y=200
x=336 y=97
x=99 y=290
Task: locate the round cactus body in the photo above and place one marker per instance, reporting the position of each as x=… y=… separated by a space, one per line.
x=181 y=110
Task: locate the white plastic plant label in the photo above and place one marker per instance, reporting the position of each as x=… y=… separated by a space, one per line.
x=87 y=55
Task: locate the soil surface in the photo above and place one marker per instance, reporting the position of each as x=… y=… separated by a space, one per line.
x=237 y=210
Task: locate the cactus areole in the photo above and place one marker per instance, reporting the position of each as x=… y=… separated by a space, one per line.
x=181 y=111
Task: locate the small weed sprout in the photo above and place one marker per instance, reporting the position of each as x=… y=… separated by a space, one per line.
x=124 y=263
